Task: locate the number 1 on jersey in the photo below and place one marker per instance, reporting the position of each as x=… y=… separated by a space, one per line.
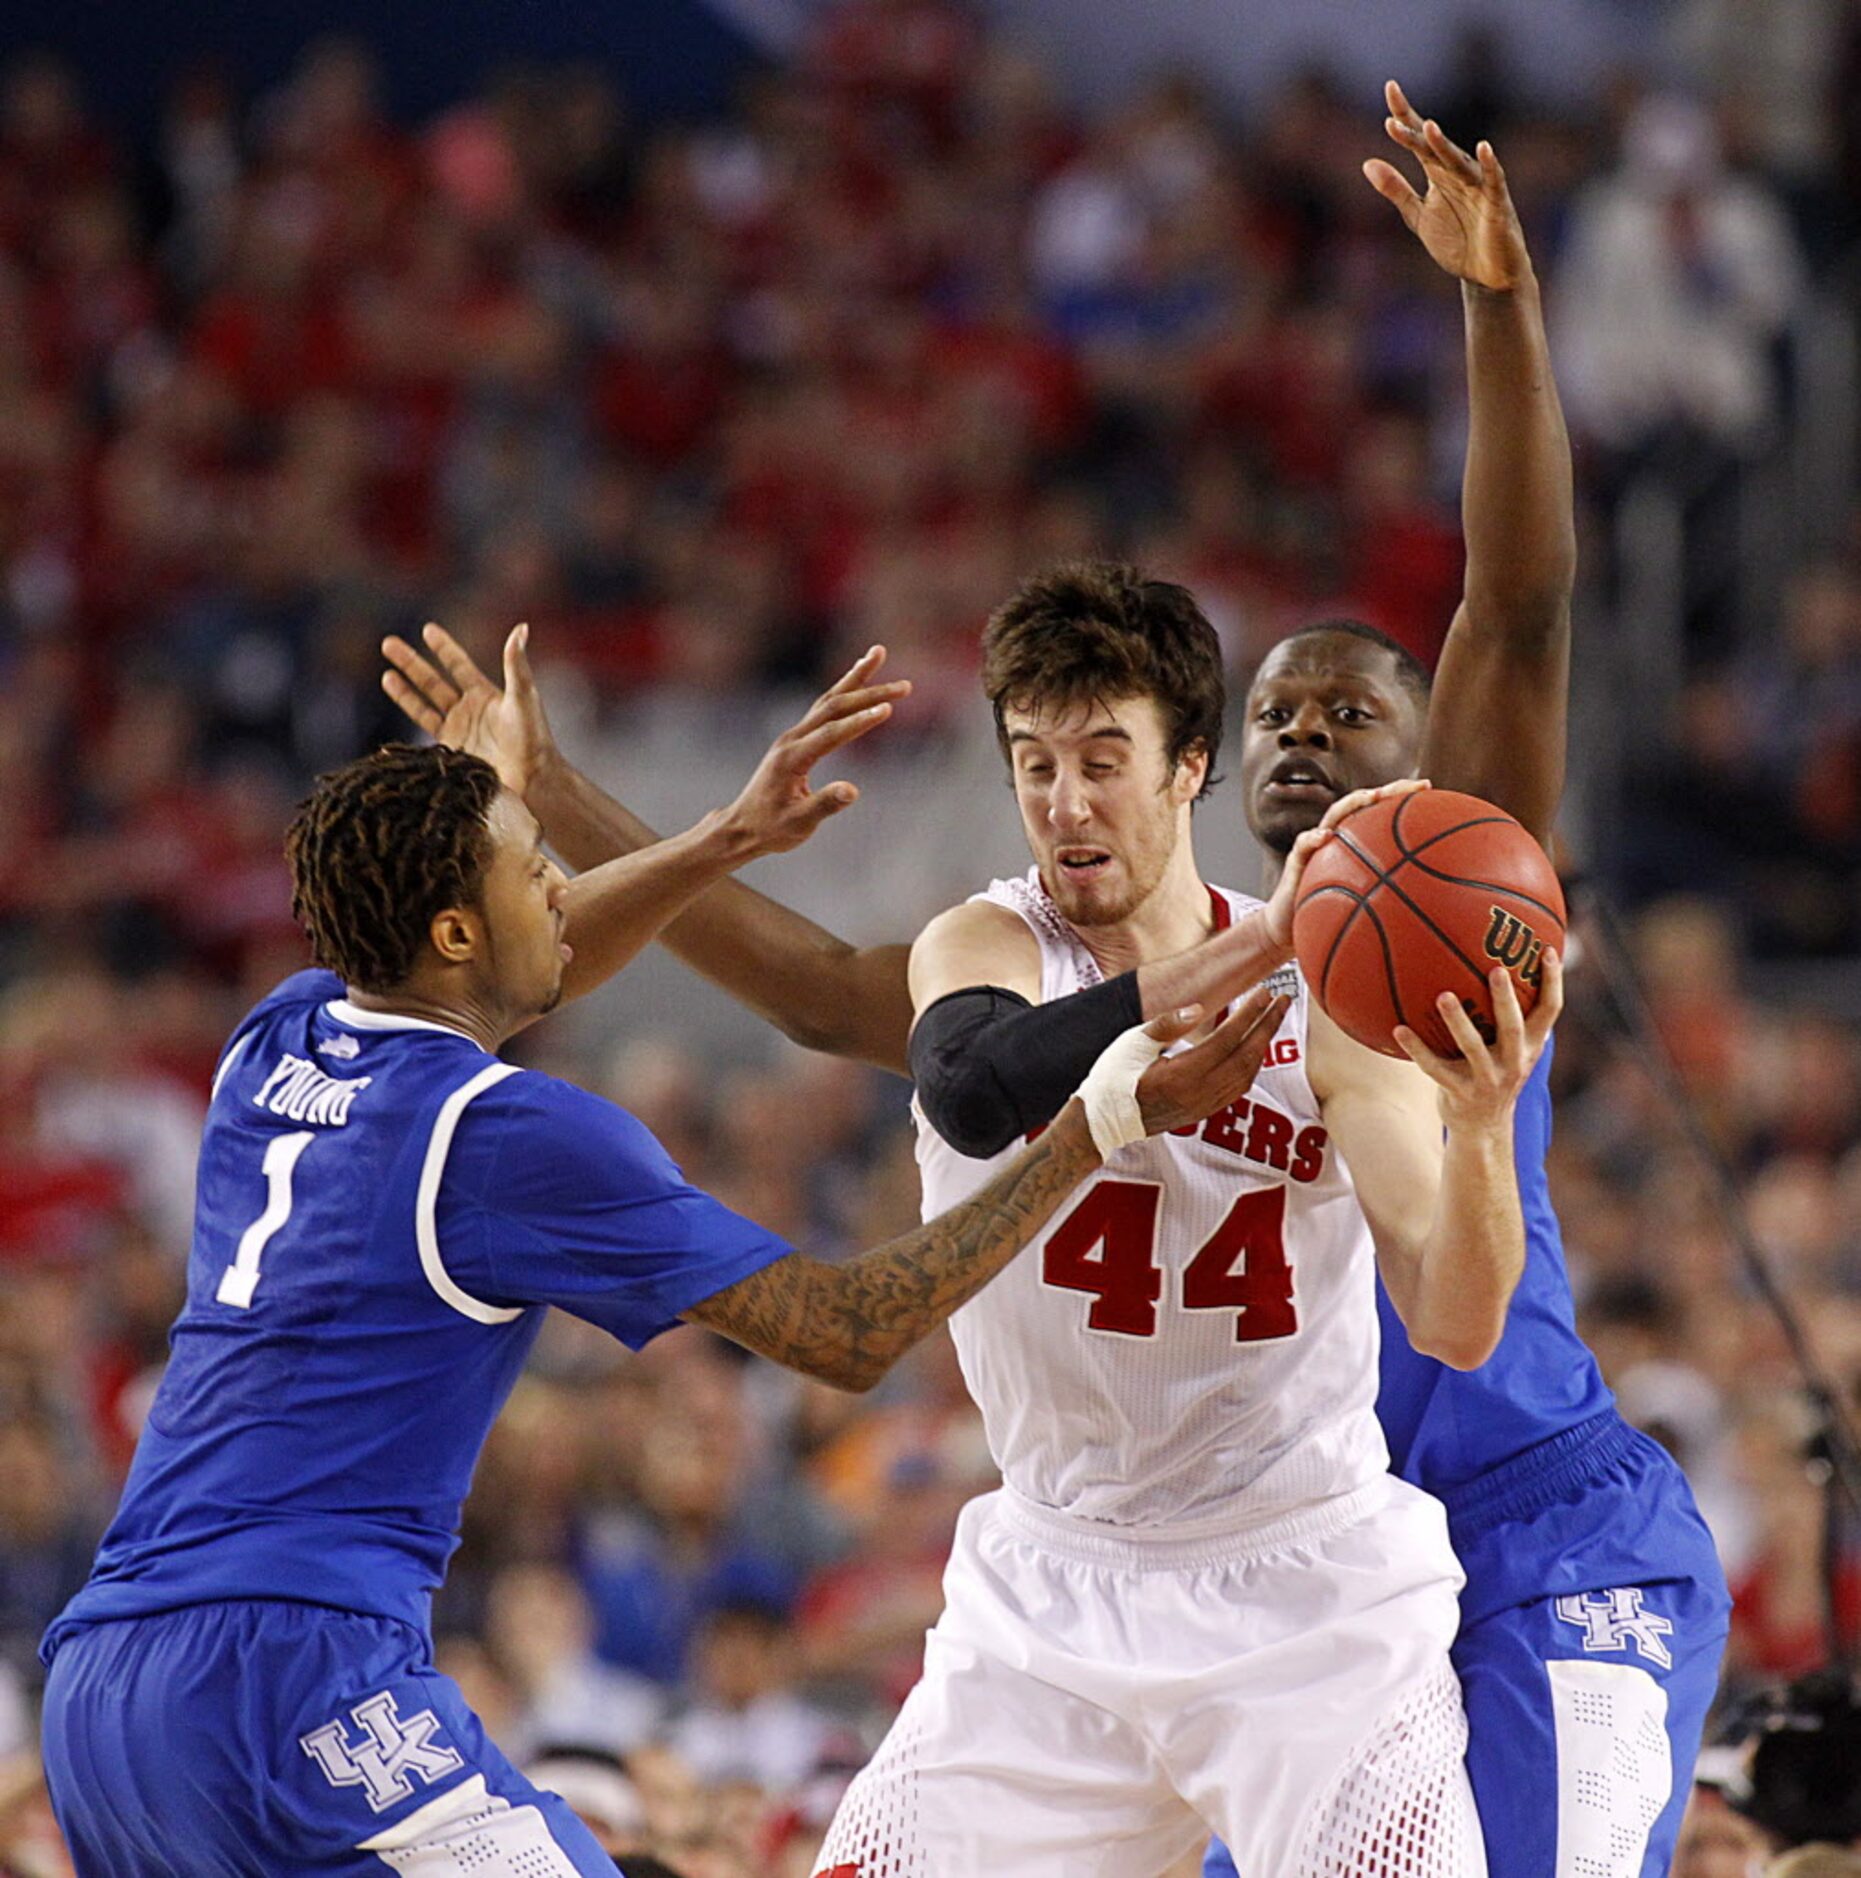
x=240 y=1279
x=1107 y=1245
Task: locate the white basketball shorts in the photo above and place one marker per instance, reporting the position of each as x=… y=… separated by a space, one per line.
x=1093 y=1706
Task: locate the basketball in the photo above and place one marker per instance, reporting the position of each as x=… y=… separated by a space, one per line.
x=1420 y=894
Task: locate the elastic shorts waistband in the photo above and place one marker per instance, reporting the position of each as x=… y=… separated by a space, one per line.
x=1185 y=1547
x=1543 y=1475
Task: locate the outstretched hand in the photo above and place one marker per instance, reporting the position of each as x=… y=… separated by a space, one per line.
x=777 y=810
x=1279 y=909
x=1466 y=220
x=456 y=704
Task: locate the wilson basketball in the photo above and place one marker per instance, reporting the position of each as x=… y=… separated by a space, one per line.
x=1417 y=895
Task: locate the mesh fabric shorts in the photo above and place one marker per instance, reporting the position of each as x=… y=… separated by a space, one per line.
x=1595 y=1616
x=1091 y=1706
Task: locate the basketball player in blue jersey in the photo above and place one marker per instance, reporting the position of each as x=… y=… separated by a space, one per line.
x=246 y=1686
x=1595 y=1611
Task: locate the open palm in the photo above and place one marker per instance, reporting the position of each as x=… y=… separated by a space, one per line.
x=456 y=704
x=1466 y=220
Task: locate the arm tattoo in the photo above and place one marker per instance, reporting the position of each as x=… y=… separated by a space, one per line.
x=848 y=1324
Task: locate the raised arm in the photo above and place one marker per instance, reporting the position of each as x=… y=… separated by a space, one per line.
x=813 y=986
x=615 y=910
x=1431 y=1157
x=849 y=1323
x=1497 y=723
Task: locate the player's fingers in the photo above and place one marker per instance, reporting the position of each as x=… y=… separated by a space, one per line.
x=1305 y=847
x=517 y=676
x=1550 y=1003
x=1445 y=1071
x=1473 y=1047
x=1234 y=1074
x=413 y=702
x=1446 y=150
x=833 y=706
x=1439 y=1069
x=1508 y=1019
x=1393 y=186
x=439 y=690
x=1399 y=106
x=1173 y=1025
x=1245 y=1031
x=1245 y=1015
x=861 y=672
x=1492 y=171
x=803 y=752
x=459 y=664
x=1362 y=798
x=823 y=803
x=1264 y=1026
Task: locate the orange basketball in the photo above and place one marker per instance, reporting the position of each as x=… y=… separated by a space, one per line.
x=1417 y=895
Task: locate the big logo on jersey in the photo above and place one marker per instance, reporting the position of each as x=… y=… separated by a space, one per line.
x=394 y=1749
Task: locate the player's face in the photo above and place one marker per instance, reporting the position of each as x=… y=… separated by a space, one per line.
x=1102 y=805
x=521 y=904
x=1327 y=714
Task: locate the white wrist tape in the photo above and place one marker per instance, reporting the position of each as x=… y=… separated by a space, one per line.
x=1109 y=1091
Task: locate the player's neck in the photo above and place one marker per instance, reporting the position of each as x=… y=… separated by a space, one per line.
x=451 y=1011
x=1176 y=915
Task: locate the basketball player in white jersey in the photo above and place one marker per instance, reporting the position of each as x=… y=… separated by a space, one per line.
x=1198 y=1595
x=1198 y=1599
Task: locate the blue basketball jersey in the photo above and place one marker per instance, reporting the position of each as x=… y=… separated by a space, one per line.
x=1447 y=1427
x=383 y=1209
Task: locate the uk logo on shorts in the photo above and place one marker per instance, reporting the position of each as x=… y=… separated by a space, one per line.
x=1613 y=1619
x=394 y=1748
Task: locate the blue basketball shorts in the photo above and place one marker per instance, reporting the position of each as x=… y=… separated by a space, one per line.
x=234 y=1740
x=1592 y=1625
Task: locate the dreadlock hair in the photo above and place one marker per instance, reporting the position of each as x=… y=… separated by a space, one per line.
x=379 y=848
x=1411 y=673
x=1089 y=632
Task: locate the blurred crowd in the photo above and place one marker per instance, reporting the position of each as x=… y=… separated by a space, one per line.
x=720 y=406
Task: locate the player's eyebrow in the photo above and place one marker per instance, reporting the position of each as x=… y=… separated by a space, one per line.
x=1091 y=736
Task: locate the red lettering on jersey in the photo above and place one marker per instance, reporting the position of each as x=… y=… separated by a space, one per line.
x=839 y=1871
x=1033 y=1134
x=1227 y=1128
x=1281 y=1052
x=1308 y=1153
x=1270 y=1138
x=1243 y=1268
x=1107 y=1246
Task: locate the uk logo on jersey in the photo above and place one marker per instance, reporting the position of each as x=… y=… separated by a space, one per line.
x=1612 y=1620
x=395 y=1747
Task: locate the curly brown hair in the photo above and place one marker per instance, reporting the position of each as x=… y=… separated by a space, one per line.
x=1089 y=632
x=379 y=848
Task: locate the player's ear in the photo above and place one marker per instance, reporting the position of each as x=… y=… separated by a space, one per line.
x=454 y=935
x=1191 y=772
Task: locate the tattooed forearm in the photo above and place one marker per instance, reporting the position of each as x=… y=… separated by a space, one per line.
x=848 y=1324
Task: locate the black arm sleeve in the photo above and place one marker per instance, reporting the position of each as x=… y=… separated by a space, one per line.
x=989 y=1066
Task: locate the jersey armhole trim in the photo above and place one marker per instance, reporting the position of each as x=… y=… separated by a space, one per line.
x=426 y=1228
x=227 y=1063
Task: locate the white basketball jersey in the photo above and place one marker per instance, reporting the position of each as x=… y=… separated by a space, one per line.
x=1194 y=1334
